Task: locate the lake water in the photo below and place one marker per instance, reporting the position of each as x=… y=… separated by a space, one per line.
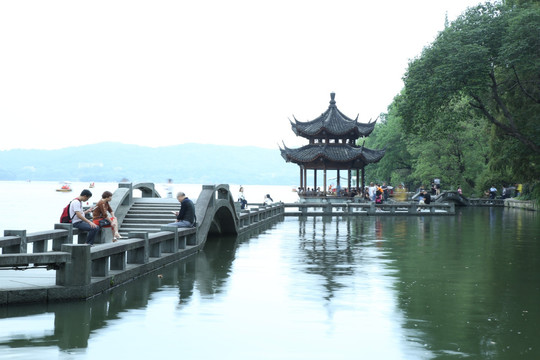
x=458 y=287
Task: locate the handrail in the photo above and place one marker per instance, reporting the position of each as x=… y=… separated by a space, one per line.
x=350 y=208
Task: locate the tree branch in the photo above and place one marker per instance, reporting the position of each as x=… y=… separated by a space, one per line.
x=522 y=88
x=505 y=128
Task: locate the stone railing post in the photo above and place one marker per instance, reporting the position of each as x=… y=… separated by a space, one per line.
x=171 y=246
x=191 y=239
x=327 y=208
x=78 y=271
x=139 y=255
x=20 y=248
x=68 y=239
x=129 y=198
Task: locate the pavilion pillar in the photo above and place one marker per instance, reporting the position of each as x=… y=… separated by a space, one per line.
x=363 y=179
x=338 y=181
x=349 y=180
x=305 y=178
x=301 y=177
x=315 y=179
x=357 y=180
x=325 y=187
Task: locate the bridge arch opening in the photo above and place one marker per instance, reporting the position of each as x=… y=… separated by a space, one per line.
x=223 y=223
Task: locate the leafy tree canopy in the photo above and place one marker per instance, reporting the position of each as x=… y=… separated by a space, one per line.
x=488 y=58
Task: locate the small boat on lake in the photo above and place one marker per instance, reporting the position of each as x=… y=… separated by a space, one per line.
x=66 y=187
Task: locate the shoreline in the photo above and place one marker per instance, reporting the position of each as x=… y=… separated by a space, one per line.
x=529 y=205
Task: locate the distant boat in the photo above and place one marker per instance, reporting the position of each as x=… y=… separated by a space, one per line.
x=91 y=185
x=66 y=187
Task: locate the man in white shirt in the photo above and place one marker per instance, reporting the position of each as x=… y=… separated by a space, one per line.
x=79 y=221
x=372 y=191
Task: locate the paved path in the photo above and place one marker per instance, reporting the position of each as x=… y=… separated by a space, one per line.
x=31 y=278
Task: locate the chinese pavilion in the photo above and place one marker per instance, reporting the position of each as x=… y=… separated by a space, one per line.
x=332 y=146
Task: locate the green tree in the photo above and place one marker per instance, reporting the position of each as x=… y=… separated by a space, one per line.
x=454 y=149
x=490 y=58
x=396 y=166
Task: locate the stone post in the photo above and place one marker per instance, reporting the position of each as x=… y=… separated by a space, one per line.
x=128 y=199
x=171 y=246
x=20 y=248
x=76 y=272
x=139 y=255
x=68 y=239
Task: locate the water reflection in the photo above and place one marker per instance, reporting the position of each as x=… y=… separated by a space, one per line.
x=372 y=287
x=68 y=326
x=472 y=288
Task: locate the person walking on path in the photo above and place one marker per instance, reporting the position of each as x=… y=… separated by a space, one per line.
x=80 y=221
x=185 y=218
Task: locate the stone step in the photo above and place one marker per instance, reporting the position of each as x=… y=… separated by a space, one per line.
x=157 y=206
x=131 y=221
x=140 y=226
x=147 y=215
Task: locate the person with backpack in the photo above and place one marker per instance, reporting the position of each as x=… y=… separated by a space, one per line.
x=79 y=219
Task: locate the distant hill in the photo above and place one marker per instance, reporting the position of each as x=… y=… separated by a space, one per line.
x=187 y=163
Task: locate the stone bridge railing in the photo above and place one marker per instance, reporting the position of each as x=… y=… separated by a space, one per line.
x=350 y=208
x=83 y=271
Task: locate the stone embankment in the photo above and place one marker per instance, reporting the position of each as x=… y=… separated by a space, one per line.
x=521 y=204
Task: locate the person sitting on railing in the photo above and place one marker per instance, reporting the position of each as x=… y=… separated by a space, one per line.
x=242 y=199
x=425 y=198
x=101 y=215
x=79 y=220
x=186 y=217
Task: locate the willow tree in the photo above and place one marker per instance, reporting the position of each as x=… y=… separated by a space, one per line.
x=489 y=56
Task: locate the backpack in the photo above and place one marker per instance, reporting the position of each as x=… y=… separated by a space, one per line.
x=65 y=218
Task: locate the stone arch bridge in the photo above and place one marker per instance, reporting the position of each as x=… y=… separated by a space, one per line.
x=215 y=209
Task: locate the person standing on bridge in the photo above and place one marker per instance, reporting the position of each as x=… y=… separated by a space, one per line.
x=185 y=218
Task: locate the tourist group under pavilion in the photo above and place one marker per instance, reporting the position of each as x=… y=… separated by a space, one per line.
x=332 y=145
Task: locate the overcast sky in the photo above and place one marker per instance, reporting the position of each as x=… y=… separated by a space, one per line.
x=158 y=73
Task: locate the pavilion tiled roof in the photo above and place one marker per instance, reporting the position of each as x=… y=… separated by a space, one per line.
x=332 y=123
x=331 y=152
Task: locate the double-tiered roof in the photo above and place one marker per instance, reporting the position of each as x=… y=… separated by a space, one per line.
x=332 y=123
x=332 y=142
